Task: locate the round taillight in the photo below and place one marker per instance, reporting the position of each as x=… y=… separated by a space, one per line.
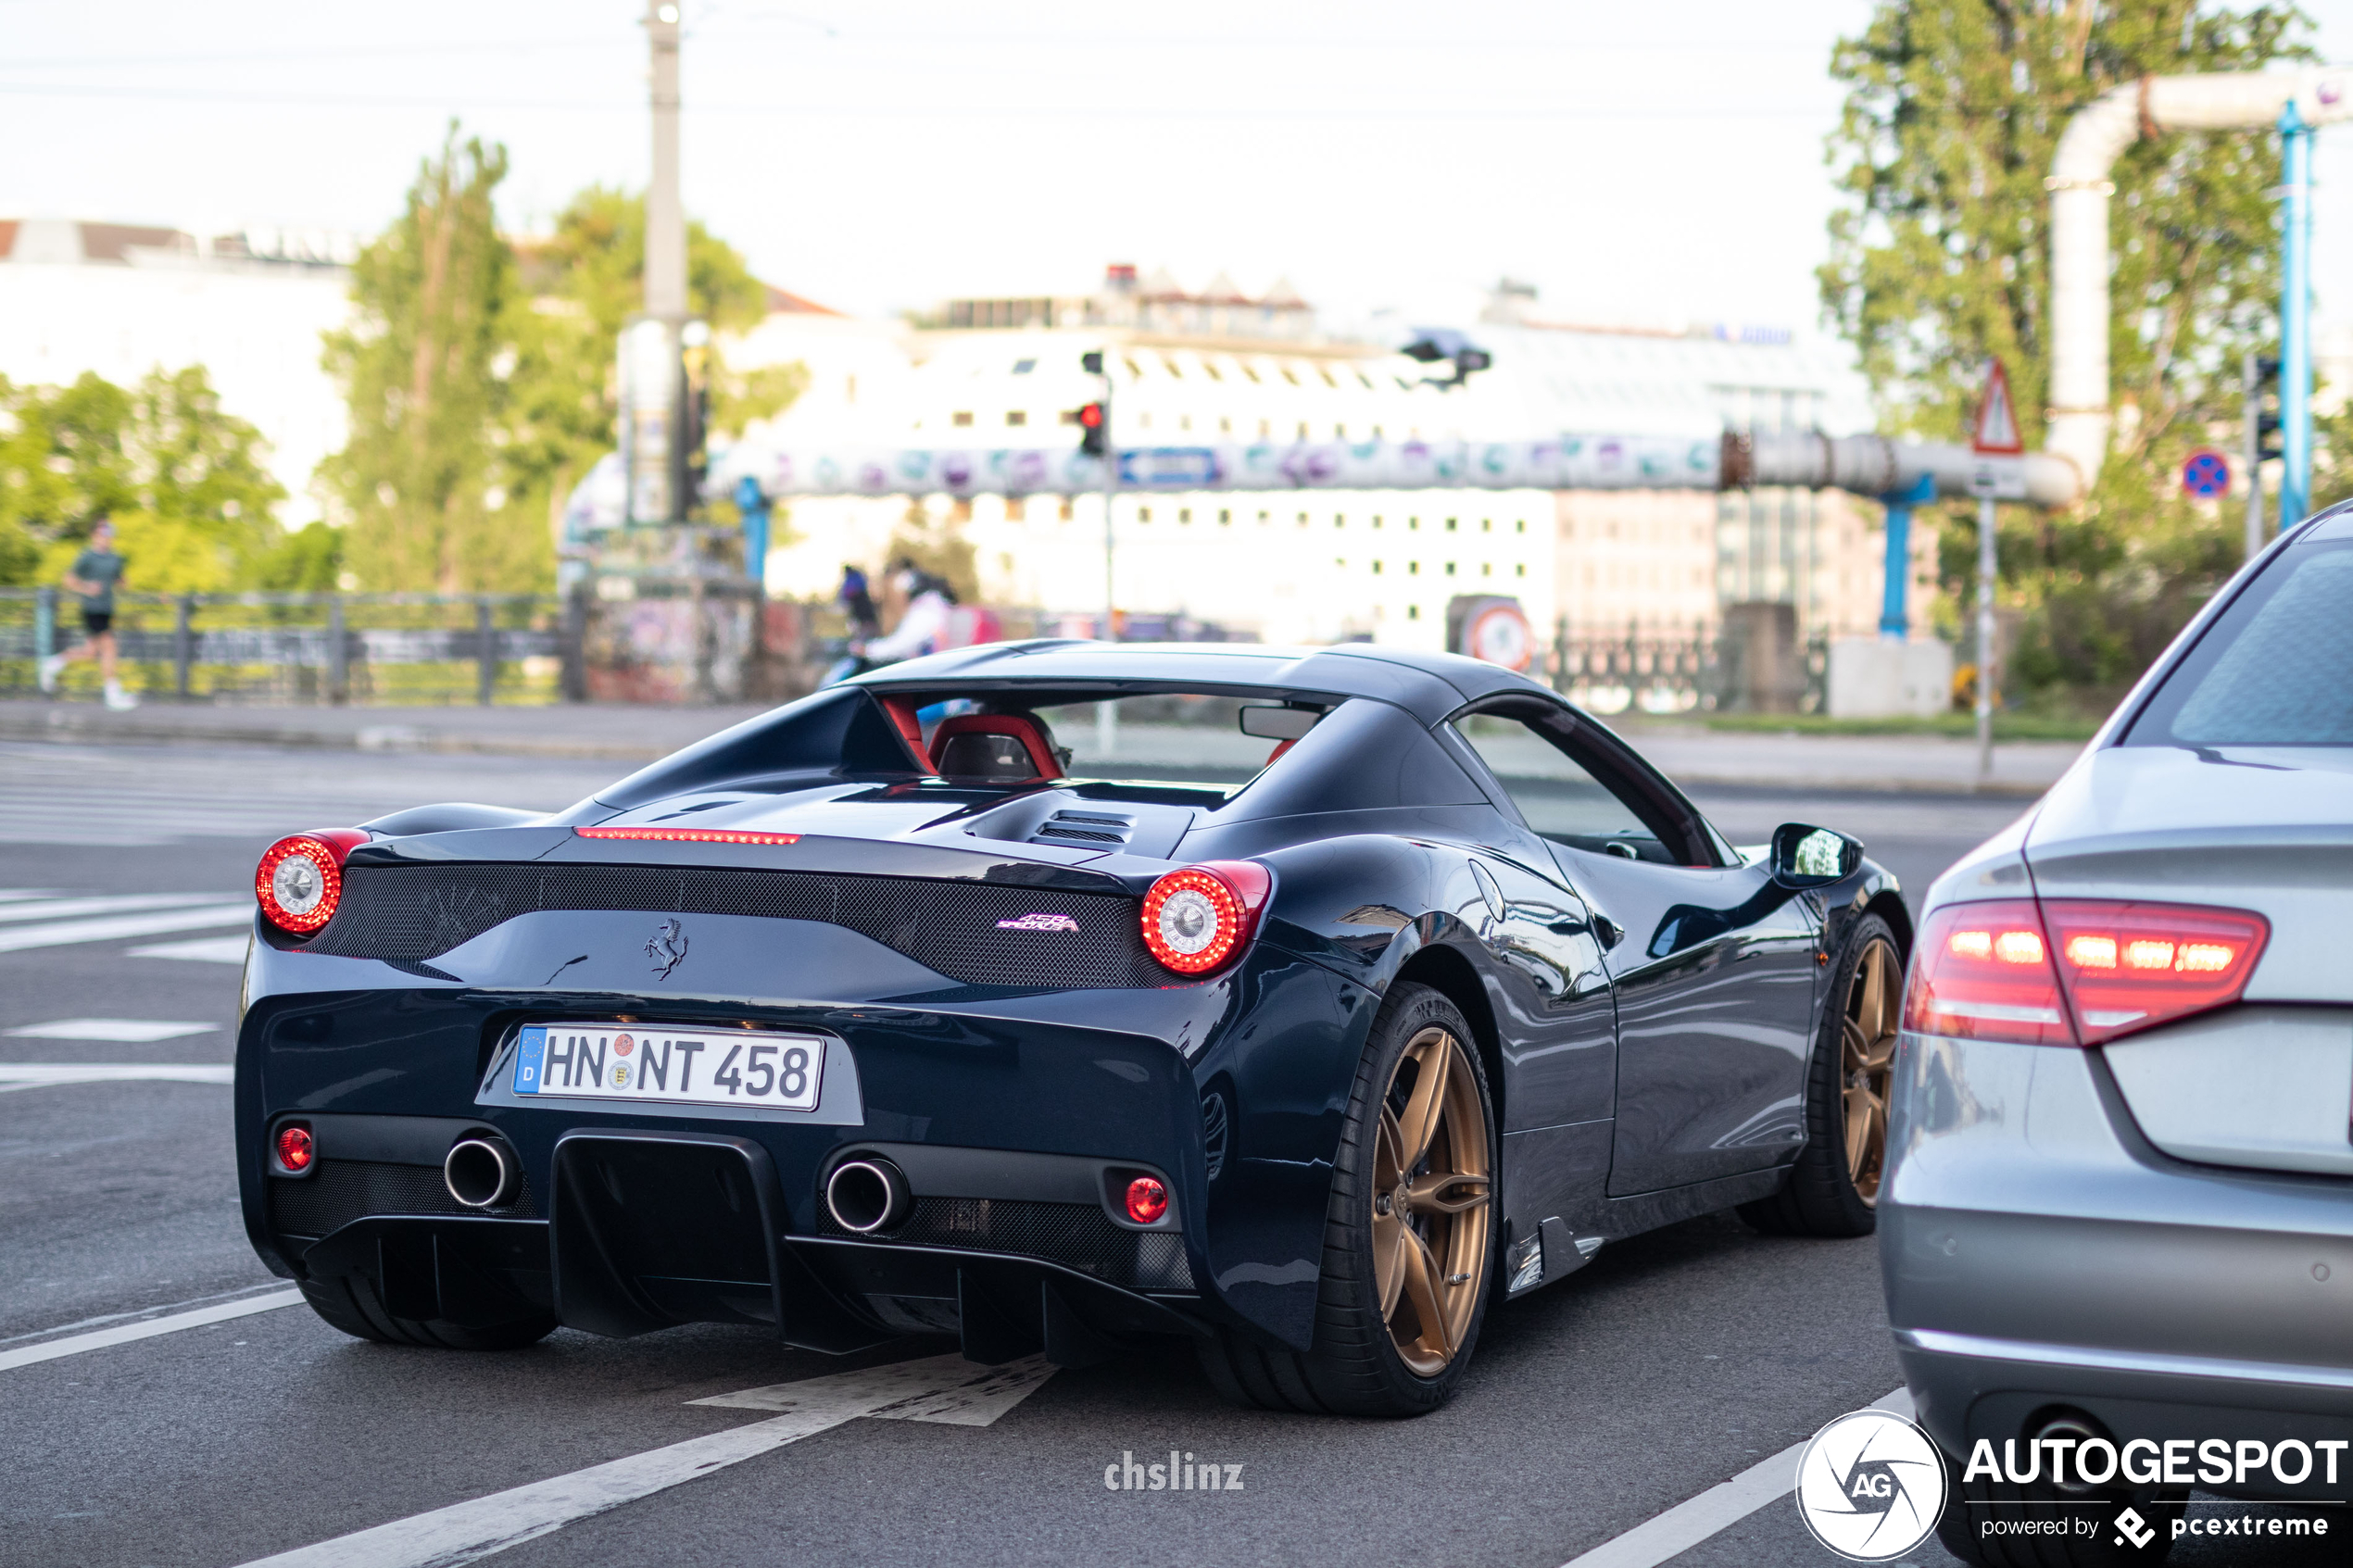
x=299 y=881
x=296 y=1147
x=1147 y=1201
x=1196 y=919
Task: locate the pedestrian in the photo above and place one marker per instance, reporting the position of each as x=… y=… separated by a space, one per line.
x=858 y=603
x=95 y=575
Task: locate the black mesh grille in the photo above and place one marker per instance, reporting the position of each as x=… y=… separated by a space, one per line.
x=1079 y=1235
x=344 y=1190
x=405 y=914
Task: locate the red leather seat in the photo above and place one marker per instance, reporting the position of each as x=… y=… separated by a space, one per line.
x=1003 y=747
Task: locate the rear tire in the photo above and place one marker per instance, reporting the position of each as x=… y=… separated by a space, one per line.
x=1406 y=1228
x=1831 y=1189
x=352 y=1305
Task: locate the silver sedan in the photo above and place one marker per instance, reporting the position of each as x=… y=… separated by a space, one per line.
x=2117 y=1222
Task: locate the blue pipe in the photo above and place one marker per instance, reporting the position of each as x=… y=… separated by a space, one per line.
x=752 y=502
x=1899 y=504
x=2296 y=318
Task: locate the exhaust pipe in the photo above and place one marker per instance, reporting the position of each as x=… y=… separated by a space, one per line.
x=865 y=1195
x=480 y=1173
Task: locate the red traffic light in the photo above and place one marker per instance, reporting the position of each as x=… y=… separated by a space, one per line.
x=1091 y=416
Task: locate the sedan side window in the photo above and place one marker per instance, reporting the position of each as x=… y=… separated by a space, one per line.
x=1559 y=799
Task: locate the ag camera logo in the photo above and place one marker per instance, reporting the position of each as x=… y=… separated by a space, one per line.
x=1871 y=1486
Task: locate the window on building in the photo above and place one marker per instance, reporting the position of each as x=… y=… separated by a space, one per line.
x=1486 y=569
x=963 y=510
x=1520 y=527
x=1376 y=521
x=1302 y=519
x=1143 y=421
x=1225 y=517
x=1135 y=371
x=1377 y=433
x=1364 y=381
x=1016 y=415
x=960 y=419
x=1250 y=374
x=1487 y=525
x=1377 y=568
x=1143 y=514
x=1303 y=430
x=1413 y=613
x=1070 y=416
x=1520 y=571
x=1413 y=568
x=1450 y=525
x=1327 y=378
x=1224 y=425
x=1022 y=367
x=1450 y=569
x=1287 y=376
x=1070 y=508
x=1184 y=514
x=1339 y=519
x=1413 y=522
x=1265 y=429
x=1341 y=561
x=1264 y=519
x=1210 y=371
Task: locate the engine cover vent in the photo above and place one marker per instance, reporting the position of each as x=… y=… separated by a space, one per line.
x=1085 y=830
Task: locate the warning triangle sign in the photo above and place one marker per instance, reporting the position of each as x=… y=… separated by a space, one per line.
x=1996 y=432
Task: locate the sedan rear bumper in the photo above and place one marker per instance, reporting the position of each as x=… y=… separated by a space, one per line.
x=2040 y=1254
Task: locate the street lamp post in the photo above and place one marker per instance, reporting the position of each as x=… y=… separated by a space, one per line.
x=1107 y=713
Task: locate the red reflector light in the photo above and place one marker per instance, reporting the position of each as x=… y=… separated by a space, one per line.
x=1983 y=971
x=299 y=881
x=690 y=835
x=1147 y=1201
x=2129 y=965
x=1196 y=919
x=295 y=1148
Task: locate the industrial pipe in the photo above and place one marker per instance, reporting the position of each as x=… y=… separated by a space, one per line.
x=2078 y=411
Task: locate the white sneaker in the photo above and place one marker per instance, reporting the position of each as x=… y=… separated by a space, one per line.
x=49 y=668
x=119 y=701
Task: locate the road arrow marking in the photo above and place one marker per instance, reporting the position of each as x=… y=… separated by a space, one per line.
x=464 y=1531
x=976 y=1403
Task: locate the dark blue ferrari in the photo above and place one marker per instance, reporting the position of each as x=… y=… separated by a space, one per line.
x=869 y=1018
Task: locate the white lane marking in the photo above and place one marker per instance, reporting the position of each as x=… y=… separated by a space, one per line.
x=74 y=909
x=978 y=1403
x=1721 y=1507
x=49 y=1074
x=204 y=950
x=465 y=1531
x=124 y=1031
x=108 y=929
x=126 y=1333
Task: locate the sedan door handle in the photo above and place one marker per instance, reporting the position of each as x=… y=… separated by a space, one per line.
x=1608 y=930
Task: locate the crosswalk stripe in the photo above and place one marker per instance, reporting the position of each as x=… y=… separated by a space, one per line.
x=66 y=933
x=123 y=1335
x=52 y=1074
x=67 y=908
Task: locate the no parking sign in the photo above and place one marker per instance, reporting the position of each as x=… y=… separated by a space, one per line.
x=2205 y=473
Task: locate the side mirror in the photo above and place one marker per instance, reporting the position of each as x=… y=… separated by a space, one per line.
x=1278 y=723
x=1805 y=856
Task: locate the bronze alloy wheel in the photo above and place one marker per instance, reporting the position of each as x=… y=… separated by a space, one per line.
x=1873 y=1002
x=1431 y=1188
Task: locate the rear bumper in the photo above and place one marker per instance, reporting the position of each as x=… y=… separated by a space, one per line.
x=2038 y=1253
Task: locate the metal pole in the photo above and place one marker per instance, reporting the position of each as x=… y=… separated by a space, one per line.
x=1892 y=621
x=2295 y=301
x=1107 y=713
x=1987 y=545
x=184 y=643
x=44 y=623
x=2251 y=384
x=338 y=654
x=485 y=651
x=665 y=213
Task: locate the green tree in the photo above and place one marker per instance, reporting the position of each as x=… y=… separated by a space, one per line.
x=585 y=282
x=186 y=483
x=1939 y=258
x=425 y=481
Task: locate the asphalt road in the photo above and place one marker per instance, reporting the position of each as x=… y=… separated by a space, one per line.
x=1674 y=1361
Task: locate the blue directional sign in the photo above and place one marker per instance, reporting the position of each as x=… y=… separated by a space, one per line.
x=1182 y=467
x=2205 y=473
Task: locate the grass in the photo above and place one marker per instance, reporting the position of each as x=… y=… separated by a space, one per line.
x=2006 y=726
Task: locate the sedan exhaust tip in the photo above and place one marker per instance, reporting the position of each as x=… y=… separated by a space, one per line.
x=865 y=1195
x=480 y=1173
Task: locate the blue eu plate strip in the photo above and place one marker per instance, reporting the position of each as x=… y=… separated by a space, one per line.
x=531 y=1054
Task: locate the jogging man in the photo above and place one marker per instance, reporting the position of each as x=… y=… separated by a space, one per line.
x=97 y=572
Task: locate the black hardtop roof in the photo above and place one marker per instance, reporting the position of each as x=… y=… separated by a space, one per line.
x=1429 y=686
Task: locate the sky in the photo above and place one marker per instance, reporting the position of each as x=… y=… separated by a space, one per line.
x=1651 y=164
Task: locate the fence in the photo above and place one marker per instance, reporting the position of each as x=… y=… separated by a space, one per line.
x=360 y=648
x=1669 y=672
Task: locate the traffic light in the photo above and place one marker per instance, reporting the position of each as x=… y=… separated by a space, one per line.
x=2264 y=392
x=1091 y=361
x=1093 y=432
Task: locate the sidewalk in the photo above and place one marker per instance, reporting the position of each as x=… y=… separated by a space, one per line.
x=1692 y=757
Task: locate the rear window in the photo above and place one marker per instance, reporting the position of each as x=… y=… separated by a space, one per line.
x=2275 y=669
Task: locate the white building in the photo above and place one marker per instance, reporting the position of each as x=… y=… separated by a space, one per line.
x=249 y=308
x=1325 y=565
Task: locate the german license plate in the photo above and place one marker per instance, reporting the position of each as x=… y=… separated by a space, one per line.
x=663 y=1064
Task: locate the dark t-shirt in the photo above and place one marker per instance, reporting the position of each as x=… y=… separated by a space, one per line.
x=101 y=568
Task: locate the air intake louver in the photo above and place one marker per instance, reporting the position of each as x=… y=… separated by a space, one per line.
x=1085 y=830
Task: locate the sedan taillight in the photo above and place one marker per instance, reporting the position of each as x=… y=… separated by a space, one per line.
x=2075 y=971
x=299 y=881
